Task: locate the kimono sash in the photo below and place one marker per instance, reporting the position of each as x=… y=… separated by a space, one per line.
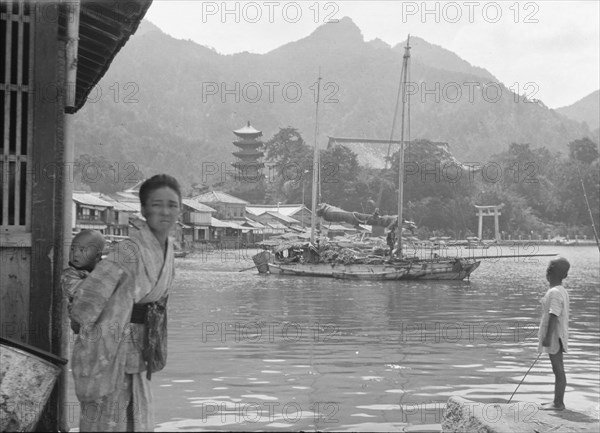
x=135 y=272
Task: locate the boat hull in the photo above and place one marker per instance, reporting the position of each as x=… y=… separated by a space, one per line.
x=441 y=270
x=340 y=271
x=421 y=270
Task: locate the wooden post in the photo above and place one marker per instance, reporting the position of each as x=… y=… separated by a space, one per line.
x=496 y=223
x=480 y=229
x=46 y=231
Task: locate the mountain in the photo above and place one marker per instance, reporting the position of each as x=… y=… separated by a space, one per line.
x=585 y=110
x=168 y=105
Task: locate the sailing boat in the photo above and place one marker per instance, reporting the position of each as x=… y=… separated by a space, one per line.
x=398 y=267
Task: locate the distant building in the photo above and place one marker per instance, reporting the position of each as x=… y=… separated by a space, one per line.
x=227 y=206
x=100 y=212
x=198 y=217
x=276 y=217
x=226 y=224
x=119 y=215
x=299 y=212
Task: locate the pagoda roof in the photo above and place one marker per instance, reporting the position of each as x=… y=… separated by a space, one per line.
x=248 y=152
x=246 y=140
x=247 y=130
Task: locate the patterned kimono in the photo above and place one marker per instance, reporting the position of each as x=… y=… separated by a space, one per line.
x=107 y=363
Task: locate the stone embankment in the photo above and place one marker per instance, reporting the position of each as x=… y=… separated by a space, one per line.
x=463 y=415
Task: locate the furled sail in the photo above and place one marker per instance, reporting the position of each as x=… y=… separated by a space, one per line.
x=336 y=215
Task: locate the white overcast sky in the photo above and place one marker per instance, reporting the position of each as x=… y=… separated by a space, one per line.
x=553 y=44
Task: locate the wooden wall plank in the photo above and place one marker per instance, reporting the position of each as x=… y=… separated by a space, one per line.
x=44 y=149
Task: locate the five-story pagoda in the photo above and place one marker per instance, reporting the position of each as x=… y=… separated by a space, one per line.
x=248 y=167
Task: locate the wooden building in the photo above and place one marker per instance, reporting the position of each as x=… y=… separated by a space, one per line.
x=91 y=212
x=53 y=54
x=198 y=217
x=227 y=206
x=297 y=211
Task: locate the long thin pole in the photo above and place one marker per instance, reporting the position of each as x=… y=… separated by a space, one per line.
x=513 y=394
x=511 y=256
x=387 y=158
x=588 y=206
x=72 y=51
x=401 y=159
x=315 y=182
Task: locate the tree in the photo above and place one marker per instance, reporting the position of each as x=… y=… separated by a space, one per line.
x=583 y=150
x=340 y=178
x=288 y=158
x=99 y=175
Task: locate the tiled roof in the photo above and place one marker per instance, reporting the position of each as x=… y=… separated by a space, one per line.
x=219 y=197
x=90 y=200
x=121 y=206
x=223 y=224
x=128 y=197
x=282 y=217
x=275 y=225
x=196 y=205
x=254 y=224
x=284 y=209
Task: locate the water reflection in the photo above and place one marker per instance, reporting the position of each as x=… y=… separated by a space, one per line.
x=249 y=352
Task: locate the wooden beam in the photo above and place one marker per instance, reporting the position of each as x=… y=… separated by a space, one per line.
x=46 y=198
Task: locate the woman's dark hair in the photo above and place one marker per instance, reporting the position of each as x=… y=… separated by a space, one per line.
x=157 y=182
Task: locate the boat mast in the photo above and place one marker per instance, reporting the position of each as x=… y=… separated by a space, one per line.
x=401 y=159
x=587 y=202
x=316 y=164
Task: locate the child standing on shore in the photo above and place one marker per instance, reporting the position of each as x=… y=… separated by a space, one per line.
x=554 y=328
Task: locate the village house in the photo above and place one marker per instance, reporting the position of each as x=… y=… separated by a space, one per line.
x=255 y=231
x=271 y=217
x=198 y=217
x=90 y=212
x=226 y=228
x=298 y=212
x=95 y=211
x=227 y=206
x=119 y=215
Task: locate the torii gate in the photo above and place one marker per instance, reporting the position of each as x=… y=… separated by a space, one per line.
x=492 y=210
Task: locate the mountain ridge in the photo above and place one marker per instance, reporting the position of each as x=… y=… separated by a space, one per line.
x=179 y=101
x=586 y=109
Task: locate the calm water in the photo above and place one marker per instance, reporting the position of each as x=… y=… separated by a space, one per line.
x=266 y=352
x=256 y=352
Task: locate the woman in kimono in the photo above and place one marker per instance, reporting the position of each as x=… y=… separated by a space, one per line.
x=121 y=308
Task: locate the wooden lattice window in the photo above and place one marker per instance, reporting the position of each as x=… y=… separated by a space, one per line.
x=16 y=108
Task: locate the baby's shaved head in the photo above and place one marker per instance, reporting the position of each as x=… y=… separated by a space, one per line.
x=90 y=237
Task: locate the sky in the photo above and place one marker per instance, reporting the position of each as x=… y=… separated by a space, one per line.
x=547 y=50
